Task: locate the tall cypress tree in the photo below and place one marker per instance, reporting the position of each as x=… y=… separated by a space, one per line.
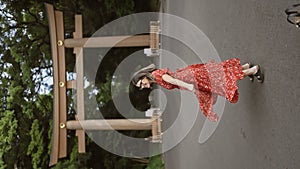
x=25 y=67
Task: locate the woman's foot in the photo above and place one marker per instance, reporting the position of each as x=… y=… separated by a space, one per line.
x=247 y=66
x=251 y=78
x=258 y=74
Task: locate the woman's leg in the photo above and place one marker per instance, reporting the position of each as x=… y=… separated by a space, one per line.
x=251 y=71
x=245 y=66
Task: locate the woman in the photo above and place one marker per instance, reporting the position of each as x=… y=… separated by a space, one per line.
x=207 y=81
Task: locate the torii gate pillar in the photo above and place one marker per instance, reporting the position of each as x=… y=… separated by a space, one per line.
x=60 y=123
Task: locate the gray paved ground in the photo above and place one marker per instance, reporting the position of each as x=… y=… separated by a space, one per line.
x=261 y=131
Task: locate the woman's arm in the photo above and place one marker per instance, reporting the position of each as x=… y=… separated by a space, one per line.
x=177 y=82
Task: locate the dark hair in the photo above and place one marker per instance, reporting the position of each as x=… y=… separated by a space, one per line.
x=144 y=72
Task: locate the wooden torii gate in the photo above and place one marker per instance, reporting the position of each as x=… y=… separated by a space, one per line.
x=60 y=123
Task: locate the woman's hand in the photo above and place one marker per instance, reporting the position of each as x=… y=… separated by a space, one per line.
x=177 y=82
x=191 y=87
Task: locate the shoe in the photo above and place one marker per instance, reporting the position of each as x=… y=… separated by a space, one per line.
x=250 y=76
x=293 y=15
x=259 y=75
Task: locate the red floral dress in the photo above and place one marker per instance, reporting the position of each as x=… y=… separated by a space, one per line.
x=210 y=80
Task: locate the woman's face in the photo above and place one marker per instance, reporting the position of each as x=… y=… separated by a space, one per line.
x=143 y=83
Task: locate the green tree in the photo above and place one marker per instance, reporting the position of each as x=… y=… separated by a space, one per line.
x=25 y=67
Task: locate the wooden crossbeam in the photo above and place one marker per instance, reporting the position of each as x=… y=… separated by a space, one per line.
x=62 y=85
x=78 y=51
x=53 y=40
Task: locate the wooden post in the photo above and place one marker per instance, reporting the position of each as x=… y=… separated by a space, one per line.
x=111 y=124
x=71 y=84
x=156 y=127
x=154 y=35
x=109 y=41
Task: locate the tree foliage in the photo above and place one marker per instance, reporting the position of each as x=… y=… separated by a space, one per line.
x=25 y=71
